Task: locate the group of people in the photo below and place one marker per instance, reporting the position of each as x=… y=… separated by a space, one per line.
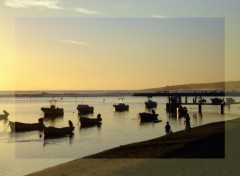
x=187 y=126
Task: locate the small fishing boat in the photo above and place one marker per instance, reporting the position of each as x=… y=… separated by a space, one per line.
x=90 y=121
x=230 y=100
x=56 y=132
x=182 y=111
x=148 y=117
x=85 y=109
x=19 y=126
x=52 y=110
x=150 y=103
x=4 y=115
x=217 y=101
x=202 y=100
x=121 y=106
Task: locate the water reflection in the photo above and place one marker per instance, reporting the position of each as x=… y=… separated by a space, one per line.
x=53 y=140
x=150 y=109
x=52 y=116
x=53 y=120
x=84 y=126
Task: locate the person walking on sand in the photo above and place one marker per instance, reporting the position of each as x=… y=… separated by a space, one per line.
x=187 y=123
x=168 y=129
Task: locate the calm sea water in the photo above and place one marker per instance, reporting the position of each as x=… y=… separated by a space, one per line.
x=26 y=152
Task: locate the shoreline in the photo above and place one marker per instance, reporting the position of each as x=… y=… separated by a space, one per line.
x=177 y=145
x=204 y=142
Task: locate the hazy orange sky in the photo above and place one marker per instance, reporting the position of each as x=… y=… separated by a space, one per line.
x=116 y=45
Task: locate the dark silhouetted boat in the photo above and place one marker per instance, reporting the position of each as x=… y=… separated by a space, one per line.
x=85 y=109
x=217 y=100
x=202 y=100
x=148 y=117
x=58 y=132
x=230 y=100
x=20 y=127
x=182 y=111
x=4 y=115
x=90 y=121
x=52 y=110
x=121 y=106
x=150 y=103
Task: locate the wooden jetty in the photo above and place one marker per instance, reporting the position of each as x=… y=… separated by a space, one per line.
x=168 y=105
x=172 y=106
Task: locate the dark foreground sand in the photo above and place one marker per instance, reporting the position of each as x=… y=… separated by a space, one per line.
x=211 y=149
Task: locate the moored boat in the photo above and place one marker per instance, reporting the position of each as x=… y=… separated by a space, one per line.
x=52 y=110
x=4 y=115
x=150 y=103
x=83 y=108
x=121 y=106
x=90 y=121
x=148 y=117
x=19 y=126
x=56 y=132
x=230 y=100
x=182 y=111
x=217 y=101
x=202 y=100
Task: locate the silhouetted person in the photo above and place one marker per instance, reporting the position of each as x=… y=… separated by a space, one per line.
x=70 y=123
x=168 y=129
x=187 y=123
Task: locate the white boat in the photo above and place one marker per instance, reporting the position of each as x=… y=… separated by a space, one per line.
x=121 y=106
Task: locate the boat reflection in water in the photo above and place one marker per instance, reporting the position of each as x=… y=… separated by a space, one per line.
x=58 y=139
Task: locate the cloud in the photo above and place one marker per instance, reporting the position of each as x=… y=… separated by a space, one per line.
x=68 y=41
x=50 y=4
x=158 y=16
x=87 y=11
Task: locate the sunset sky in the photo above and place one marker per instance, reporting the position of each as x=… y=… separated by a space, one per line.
x=99 y=45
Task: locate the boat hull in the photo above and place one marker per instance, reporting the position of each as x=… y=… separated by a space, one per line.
x=147 y=117
x=88 y=121
x=3 y=116
x=52 y=112
x=85 y=109
x=217 y=101
x=230 y=100
x=151 y=104
x=121 y=108
x=52 y=131
x=20 y=127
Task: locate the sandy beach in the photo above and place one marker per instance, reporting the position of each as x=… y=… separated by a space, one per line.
x=207 y=149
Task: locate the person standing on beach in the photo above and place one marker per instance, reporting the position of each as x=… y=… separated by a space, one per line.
x=187 y=123
x=168 y=129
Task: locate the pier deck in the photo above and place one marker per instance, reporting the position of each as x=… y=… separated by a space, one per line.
x=201 y=104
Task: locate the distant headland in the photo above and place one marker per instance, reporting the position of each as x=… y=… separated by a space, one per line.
x=230 y=88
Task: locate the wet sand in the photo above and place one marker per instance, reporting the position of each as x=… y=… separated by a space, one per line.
x=207 y=150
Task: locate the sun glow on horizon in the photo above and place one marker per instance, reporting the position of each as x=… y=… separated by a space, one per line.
x=117 y=54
